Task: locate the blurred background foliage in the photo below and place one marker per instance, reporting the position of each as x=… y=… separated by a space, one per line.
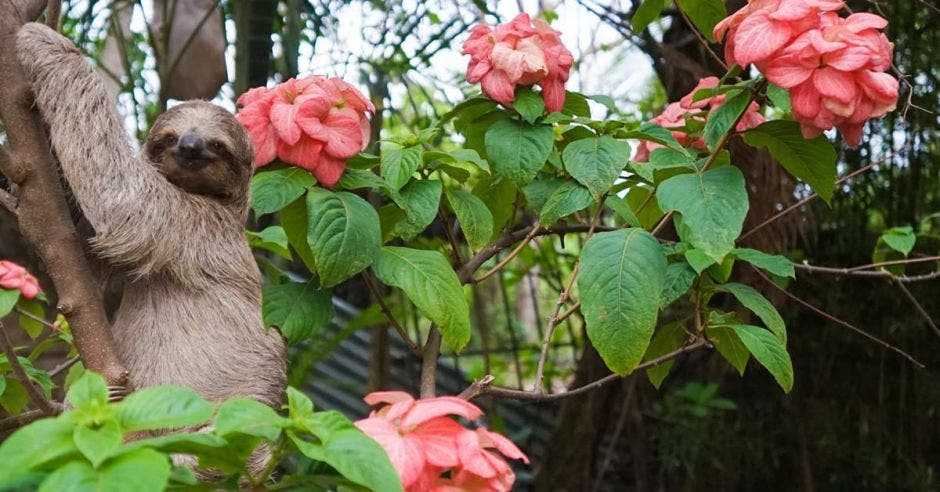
x=859 y=417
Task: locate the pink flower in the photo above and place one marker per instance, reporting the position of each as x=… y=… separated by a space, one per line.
x=520 y=52
x=13 y=276
x=835 y=75
x=314 y=123
x=676 y=114
x=423 y=442
x=756 y=31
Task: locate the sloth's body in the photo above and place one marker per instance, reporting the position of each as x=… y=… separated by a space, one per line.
x=171 y=220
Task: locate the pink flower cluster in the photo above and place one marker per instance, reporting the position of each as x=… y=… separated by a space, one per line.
x=314 y=122
x=424 y=442
x=520 y=52
x=676 y=114
x=834 y=67
x=15 y=277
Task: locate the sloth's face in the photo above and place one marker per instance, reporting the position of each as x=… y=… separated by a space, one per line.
x=202 y=149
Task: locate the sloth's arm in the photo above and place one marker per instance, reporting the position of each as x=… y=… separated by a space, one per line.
x=123 y=197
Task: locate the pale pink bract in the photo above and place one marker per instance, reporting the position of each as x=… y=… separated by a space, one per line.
x=521 y=52
x=423 y=442
x=314 y=123
x=15 y=277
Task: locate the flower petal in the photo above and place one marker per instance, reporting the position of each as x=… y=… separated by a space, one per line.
x=406 y=456
x=758 y=37
x=429 y=408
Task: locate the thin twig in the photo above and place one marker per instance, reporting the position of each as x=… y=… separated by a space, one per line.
x=35 y=395
x=512 y=255
x=907 y=261
x=20 y=420
x=63 y=366
x=367 y=278
x=555 y=320
x=35 y=318
x=852 y=272
x=701 y=40
x=812 y=197
x=497 y=392
x=838 y=321
x=574 y=308
x=920 y=309
x=430 y=353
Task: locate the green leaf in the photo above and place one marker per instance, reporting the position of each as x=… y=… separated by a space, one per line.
x=721 y=120
x=162 y=407
x=775 y=264
x=668 y=339
x=76 y=476
x=537 y=192
x=730 y=347
x=713 y=205
x=273 y=190
x=354 y=179
x=29 y=324
x=646 y=207
x=89 y=397
x=343 y=233
x=356 y=456
x=621 y=282
x=679 y=278
x=294 y=222
x=3 y=384
x=398 y=165
x=813 y=161
x=35 y=445
x=759 y=305
x=196 y=443
x=528 y=104
x=769 y=352
x=476 y=221
x=900 y=239
x=779 y=96
x=518 y=150
x=622 y=208
x=272 y=239
x=299 y=310
x=8 y=300
x=698 y=260
x=500 y=198
x=704 y=14
x=596 y=162
x=251 y=417
x=420 y=200
x=143 y=470
x=299 y=405
x=431 y=284
x=646 y=13
x=576 y=104
x=569 y=198
x=654 y=133
x=98 y=444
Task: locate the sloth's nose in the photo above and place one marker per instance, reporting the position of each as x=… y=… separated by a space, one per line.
x=191 y=145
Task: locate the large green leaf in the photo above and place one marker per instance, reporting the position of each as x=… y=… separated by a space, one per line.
x=517 y=150
x=399 y=164
x=431 y=284
x=162 y=407
x=721 y=120
x=811 y=160
x=89 y=398
x=730 y=347
x=679 y=278
x=273 y=190
x=343 y=233
x=596 y=162
x=528 y=104
x=272 y=239
x=420 y=200
x=35 y=445
x=900 y=239
x=299 y=310
x=669 y=338
x=294 y=222
x=8 y=298
x=353 y=454
x=775 y=264
x=476 y=221
x=567 y=199
x=97 y=443
x=251 y=417
x=647 y=12
x=620 y=284
x=769 y=351
x=704 y=14
x=759 y=305
x=142 y=470
x=713 y=205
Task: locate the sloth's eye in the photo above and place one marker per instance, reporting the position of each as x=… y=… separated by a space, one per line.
x=216 y=146
x=168 y=140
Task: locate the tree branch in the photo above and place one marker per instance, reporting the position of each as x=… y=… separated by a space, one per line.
x=35 y=395
x=482 y=388
x=44 y=216
x=920 y=309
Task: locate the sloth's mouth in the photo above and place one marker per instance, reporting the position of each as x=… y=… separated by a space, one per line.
x=192 y=162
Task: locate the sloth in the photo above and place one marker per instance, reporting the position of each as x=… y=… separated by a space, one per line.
x=170 y=220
